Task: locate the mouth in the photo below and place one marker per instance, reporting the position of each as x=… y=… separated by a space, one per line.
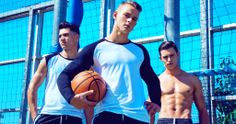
x=170 y=63
x=62 y=44
x=126 y=26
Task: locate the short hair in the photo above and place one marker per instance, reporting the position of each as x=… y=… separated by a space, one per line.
x=71 y=26
x=134 y=4
x=166 y=45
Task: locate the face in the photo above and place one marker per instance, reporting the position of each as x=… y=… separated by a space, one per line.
x=126 y=18
x=68 y=39
x=170 y=58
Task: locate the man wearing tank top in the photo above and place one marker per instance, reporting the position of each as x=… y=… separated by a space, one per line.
x=55 y=109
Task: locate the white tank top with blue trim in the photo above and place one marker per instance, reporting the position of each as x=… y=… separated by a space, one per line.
x=54 y=102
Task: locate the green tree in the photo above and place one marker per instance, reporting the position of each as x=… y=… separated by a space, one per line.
x=225 y=86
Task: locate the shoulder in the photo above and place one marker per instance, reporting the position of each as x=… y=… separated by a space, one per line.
x=94 y=44
x=190 y=77
x=140 y=46
x=193 y=78
x=86 y=53
x=145 y=52
x=195 y=81
x=49 y=56
x=162 y=76
x=91 y=47
x=42 y=67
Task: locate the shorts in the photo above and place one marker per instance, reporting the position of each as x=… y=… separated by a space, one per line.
x=57 y=119
x=174 y=121
x=113 y=118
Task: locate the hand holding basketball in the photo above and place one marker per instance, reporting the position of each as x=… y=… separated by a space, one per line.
x=80 y=101
x=89 y=80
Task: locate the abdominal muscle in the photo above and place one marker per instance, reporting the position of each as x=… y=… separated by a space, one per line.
x=176 y=105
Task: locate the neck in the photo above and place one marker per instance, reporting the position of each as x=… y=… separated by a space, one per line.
x=69 y=54
x=118 y=37
x=174 y=72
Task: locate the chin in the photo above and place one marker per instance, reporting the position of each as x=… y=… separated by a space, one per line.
x=125 y=31
x=170 y=67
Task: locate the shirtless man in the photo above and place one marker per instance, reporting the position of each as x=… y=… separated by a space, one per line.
x=179 y=90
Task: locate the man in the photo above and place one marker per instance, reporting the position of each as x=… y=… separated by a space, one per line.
x=179 y=90
x=123 y=64
x=55 y=109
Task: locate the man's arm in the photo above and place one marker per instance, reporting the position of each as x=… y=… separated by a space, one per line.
x=152 y=108
x=151 y=79
x=153 y=86
x=64 y=85
x=83 y=62
x=89 y=112
x=36 y=81
x=200 y=102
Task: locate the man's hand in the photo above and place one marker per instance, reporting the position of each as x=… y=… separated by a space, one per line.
x=152 y=108
x=33 y=115
x=80 y=101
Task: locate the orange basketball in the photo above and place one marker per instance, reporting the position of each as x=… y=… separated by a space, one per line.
x=89 y=80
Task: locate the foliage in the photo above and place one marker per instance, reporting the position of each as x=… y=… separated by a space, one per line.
x=224 y=86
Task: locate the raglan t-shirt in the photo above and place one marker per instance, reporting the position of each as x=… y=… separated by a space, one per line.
x=123 y=67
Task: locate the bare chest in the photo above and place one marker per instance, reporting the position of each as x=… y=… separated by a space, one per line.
x=173 y=85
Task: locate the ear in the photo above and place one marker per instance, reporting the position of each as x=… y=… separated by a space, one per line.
x=76 y=36
x=178 y=54
x=115 y=14
x=160 y=58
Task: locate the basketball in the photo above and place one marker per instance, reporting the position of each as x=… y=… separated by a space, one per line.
x=89 y=80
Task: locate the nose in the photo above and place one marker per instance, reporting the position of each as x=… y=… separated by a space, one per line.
x=61 y=37
x=169 y=59
x=130 y=19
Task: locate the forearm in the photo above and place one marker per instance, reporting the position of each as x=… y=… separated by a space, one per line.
x=203 y=117
x=154 y=92
x=89 y=112
x=153 y=86
x=33 y=112
x=64 y=79
x=64 y=86
x=153 y=83
x=32 y=101
x=35 y=83
x=150 y=78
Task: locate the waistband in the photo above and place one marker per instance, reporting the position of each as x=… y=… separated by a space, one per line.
x=175 y=120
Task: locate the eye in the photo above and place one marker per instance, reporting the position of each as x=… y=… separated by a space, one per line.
x=172 y=55
x=66 y=34
x=135 y=18
x=127 y=15
x=165 y=57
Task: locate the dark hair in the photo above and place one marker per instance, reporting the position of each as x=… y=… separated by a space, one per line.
x=71 y=26
x=166 y=45
x=134 y=4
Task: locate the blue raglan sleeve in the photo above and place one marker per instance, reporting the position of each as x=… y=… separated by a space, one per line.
x=83 y=62
x=150 y=78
